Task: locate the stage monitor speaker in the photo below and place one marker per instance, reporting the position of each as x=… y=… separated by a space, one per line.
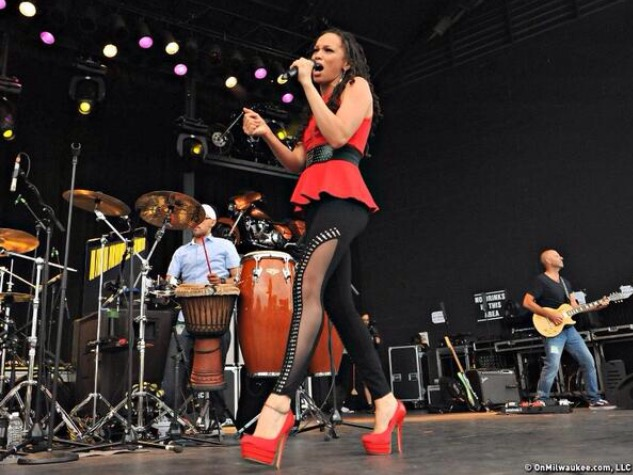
x=114 y=355
x=494 y=387
x=613 y=372
x=624 y=394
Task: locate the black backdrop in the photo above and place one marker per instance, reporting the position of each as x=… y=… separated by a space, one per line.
x=475 y=169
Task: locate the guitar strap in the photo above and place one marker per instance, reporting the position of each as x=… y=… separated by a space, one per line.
x=562 y=281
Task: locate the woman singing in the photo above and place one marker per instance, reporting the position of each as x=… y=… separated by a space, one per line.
x=337 y=206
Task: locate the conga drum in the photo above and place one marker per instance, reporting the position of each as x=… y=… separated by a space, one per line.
x=207 y=310
x=265 y=310
x=320 y=365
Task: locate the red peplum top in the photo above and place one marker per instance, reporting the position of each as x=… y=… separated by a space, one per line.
x=338 y=178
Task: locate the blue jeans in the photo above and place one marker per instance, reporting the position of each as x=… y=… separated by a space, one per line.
x=570 y=340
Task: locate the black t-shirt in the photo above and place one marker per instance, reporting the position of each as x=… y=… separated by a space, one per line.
x=549 y=293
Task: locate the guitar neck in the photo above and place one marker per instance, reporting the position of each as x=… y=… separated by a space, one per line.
x=585 y=307
x=450 y=347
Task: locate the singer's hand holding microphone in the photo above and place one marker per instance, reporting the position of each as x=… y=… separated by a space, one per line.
x=303 y=65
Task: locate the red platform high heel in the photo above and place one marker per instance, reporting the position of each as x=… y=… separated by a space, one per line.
x=380 y=444
x=267 y=451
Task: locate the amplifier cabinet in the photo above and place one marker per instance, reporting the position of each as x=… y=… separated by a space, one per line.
x=406 y=369
x=494 y=387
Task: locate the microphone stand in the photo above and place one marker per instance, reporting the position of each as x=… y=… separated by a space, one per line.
x=36 y=435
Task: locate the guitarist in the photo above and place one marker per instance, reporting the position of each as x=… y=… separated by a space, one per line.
x=548 y=292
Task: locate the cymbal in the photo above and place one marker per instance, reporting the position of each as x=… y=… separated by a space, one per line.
x=245 y=200
x=16 y=297
x=182 y=210
x=259 y=214
x=17 y=241
x=91 y=200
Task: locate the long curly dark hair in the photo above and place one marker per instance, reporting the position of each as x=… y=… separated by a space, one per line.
x=355 y=56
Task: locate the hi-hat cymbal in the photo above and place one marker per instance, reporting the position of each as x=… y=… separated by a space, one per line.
x=17 y=241
x=181 y=211
x=91 y=200
x=16 y=297
x=245 y=200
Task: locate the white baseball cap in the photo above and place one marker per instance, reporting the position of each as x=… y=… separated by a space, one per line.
x=209 y=211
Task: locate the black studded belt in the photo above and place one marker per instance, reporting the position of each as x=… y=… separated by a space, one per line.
x=323 y=153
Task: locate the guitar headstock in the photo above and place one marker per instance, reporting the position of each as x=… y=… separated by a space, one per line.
x=625 y=292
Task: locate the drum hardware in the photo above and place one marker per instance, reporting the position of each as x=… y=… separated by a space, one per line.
x=176 y=211
x=95 y=396
x=28 y=423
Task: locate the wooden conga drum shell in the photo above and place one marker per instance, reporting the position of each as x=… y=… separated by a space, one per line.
x=320 y=363
x=265 y=310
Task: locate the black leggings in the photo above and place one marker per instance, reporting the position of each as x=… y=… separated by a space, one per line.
x=323 y=279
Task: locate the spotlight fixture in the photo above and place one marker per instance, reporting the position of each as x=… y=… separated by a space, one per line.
x=170 y=44
x=231 y=81
x=87 y=88
x=47 y=37
x=3 y=4
x=259 y=68
x=287 y=98
x=9 y=87
x=145 y=39
x=110 y=50
x=118 y=28
x=192 y=139
x=28 y=9
x=180 y=69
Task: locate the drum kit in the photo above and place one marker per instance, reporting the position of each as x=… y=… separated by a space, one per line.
x=264 y=307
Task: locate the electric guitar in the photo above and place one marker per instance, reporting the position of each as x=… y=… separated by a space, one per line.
x=549 y=329
x=472 y=401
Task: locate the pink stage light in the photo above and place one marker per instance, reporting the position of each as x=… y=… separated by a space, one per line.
x=47 y=37
x=287 y=98
x=180 y=69
x=146 y=42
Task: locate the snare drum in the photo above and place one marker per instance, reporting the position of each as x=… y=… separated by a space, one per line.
x=207 y=310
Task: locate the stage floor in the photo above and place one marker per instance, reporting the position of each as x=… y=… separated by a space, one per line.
x=463 y=443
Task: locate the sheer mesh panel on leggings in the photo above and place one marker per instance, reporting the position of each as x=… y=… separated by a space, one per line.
x=307 y=316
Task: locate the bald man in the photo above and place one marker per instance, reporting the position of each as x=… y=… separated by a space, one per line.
x=548 y=292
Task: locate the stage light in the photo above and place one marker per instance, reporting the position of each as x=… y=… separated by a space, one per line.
x=192 y=139
x=3 y=4
x=170 y=44
x=47 y=37
x=10 y=88
x=231 y=82
x=28 y=9
x=118 y=29
x=7 y=119
x=279 y=129
x=180 y=69
x=260 y=68
x=145 y=39
x=110 y=50
x=87 y=88
x=287 y=98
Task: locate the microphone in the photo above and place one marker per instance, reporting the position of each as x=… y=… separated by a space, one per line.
x=19 y=199
x=16 y=173
x=292 y=72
